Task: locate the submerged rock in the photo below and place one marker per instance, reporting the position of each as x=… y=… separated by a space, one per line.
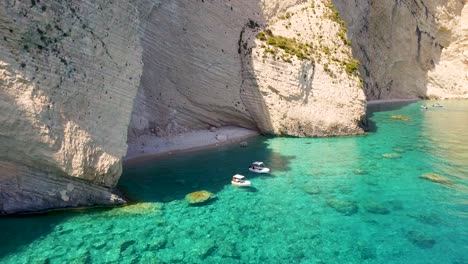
x=399 y=150
x=136 y=209
x=359 y=172
x=430 y=219
x=343 y=206
x=401 y=117
x=311 y=189
x=367 y=252
x=204 y=248
x=126 y=245
x=156 y=244
x=199 y=197
x=420 y=239
x=391 y=155
x=437 y=178
x=376 y=208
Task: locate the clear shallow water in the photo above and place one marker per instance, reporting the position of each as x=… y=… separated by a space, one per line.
x=330 y=200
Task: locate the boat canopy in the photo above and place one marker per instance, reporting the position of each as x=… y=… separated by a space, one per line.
x=239 y=177
x=258 y=163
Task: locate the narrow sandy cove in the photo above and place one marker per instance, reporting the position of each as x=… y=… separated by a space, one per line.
x=150 y=147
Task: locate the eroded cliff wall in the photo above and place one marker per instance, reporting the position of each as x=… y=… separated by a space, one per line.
x=204 y=66
x=410 y=48
x=69 y=73
x=75 y=77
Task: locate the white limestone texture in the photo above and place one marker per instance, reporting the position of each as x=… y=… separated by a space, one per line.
x=79 y=80
x=410 y=48
x=69 y=72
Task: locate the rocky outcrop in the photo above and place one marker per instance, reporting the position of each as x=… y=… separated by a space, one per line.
x=77 y=77
x=204 y=66
x=296 y=75
x=69 y=72
x=410 y=48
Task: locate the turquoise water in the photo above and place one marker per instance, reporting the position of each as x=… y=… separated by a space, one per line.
x=327 y=200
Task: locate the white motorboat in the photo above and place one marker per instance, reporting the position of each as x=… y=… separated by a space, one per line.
x=239 y=180
x=437 y=105
x=259 y=167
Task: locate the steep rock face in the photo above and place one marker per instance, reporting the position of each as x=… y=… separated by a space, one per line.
x=410 y=48
x=69 y=72
x=298 y=77
x=200 y=71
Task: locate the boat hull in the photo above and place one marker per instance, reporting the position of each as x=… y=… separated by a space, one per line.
x=241 y=184
x=264 y=170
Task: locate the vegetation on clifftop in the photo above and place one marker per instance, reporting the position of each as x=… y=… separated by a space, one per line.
x=318 y=45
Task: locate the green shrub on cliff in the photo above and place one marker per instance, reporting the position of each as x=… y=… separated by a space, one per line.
x=352 y=67
x=261 y=36
x=289 y=45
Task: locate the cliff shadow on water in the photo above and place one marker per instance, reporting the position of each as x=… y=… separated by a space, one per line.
x=171 y=178
x=197 y=73
x=18 y=231
x=382 y=107
x=398 y=43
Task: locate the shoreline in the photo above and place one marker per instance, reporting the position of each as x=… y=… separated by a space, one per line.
x=373 y=102
x=148 y=147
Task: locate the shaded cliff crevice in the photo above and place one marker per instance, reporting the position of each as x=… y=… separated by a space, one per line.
x=410 y=45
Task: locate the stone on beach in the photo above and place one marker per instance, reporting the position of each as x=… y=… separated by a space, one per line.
x=221 y=137
x=199 y=197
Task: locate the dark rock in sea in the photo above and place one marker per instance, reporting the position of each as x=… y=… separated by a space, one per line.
x=395 y=205
x=99 y=244
x=204 y=248
x=228 y=250
x=420 y=239
x=367 y=252
x=430 y=219
x=126 y=244
x=376 y=208
x=83 y=258
x=311 y=189
x=343 y=206
x=156 y=244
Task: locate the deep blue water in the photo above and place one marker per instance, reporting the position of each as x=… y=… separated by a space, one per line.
x=328 y=200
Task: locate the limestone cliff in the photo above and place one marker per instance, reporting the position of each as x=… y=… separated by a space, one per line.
x=80 y=79
x=204 y=66
x=410 y=48
x=69 y=72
